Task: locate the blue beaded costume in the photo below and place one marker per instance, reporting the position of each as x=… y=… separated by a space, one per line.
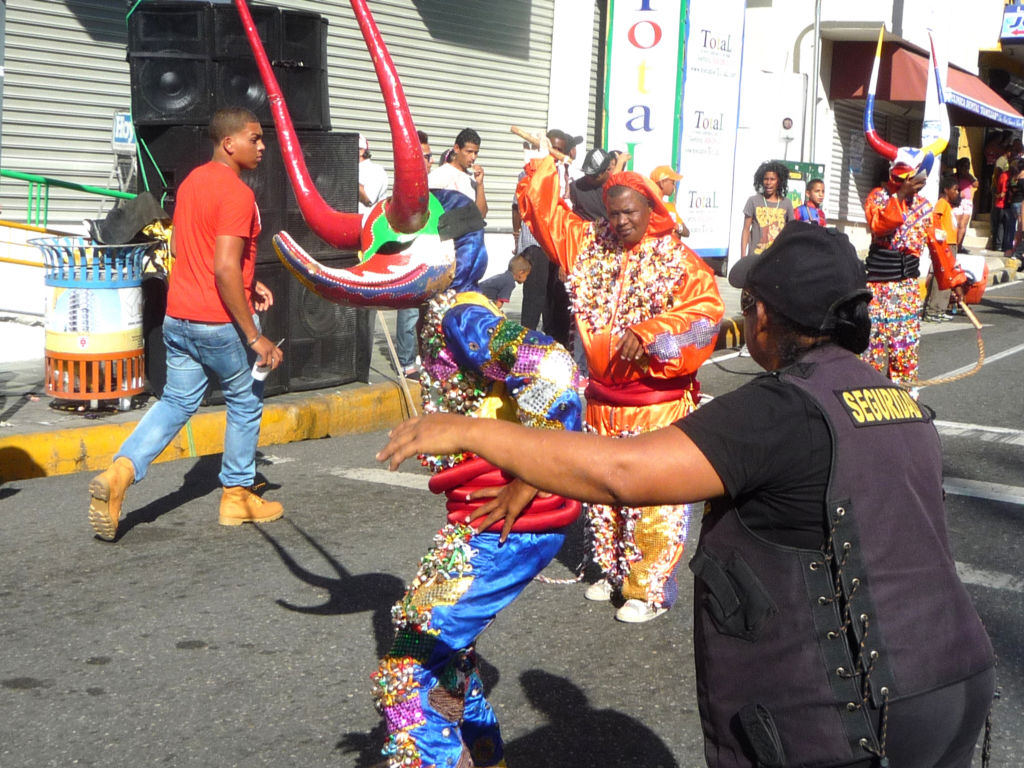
x=475 y=362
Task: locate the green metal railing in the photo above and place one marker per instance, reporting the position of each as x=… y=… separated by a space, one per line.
x=38 y=207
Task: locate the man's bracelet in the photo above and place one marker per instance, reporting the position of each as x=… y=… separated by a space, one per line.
x=254 y=339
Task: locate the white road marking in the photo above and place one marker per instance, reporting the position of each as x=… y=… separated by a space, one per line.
x=272 y=459
x=981 y=432
x=721 y=358
x=992 y=579
x=979 y=489
x=1000 y=286
x=988 y=359
x=384 y=477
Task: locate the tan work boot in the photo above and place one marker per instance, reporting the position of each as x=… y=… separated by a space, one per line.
x=240 y=505
x=107 y=492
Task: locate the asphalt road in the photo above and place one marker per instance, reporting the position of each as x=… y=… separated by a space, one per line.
x=188 y=644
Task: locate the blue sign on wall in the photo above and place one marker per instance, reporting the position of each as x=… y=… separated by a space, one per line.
x=122 y=137
x=1013 y=24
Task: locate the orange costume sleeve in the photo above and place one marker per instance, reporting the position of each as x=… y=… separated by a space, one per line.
x=884 y=219
x=947 y=273
x=558 y=230
x=679 y=339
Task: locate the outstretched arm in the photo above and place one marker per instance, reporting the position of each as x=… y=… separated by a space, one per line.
x=538 y=373
x=661 y=467
x=557 y=229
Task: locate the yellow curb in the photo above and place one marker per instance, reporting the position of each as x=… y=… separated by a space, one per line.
x=350 y=411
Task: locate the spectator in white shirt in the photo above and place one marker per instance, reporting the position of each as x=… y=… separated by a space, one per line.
x=462 y=173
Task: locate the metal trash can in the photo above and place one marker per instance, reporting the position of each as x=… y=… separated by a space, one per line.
x=94 y=344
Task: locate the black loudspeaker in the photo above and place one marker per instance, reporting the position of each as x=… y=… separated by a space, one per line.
x=168 y=28
x=154 y=306
x=237 y=83
x=190 y=59
x=167 y=154
x=322 y=339
x=171 y=90
x=229 y=40
x=171 y=76
x=303 y=40
x=305 y=93
x=332 y=162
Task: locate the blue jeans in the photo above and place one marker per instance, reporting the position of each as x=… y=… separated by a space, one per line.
x=405 y=336
x=194 y=352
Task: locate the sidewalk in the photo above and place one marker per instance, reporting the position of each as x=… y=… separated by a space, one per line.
x=38 y=440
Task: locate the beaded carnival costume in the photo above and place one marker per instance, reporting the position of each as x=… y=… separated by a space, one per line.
x=475 y=362
x=667 y=296
x=422 y=247
x=901 y=231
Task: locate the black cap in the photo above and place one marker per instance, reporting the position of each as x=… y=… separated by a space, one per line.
x=804 y=274
x=596 y=162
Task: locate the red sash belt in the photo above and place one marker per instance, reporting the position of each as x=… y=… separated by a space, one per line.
x=642 y=391
x=542 y=515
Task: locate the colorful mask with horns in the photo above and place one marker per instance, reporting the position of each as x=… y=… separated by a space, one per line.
x=407 y=254
x=905 y=163
x=421 y=247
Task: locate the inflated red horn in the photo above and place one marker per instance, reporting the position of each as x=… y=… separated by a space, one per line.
x=407 y=211
x=880 y=145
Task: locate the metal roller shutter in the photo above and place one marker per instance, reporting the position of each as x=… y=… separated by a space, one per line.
x=855 y=168
x=482 y=65
x=66 y=75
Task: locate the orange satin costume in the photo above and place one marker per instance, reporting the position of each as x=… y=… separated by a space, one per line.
x=665 y=294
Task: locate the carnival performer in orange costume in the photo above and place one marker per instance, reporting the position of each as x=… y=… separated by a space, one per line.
x=902 y=229
x=648 y=312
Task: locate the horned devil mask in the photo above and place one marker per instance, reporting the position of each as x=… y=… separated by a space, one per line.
x=905 y=163
x=407 y=244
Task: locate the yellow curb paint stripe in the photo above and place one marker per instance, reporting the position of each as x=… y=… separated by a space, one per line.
x=363 y=409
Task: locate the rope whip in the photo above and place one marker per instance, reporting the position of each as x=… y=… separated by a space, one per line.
x=977 y=367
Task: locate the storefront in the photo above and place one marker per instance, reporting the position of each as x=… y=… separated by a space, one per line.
x=899 y=111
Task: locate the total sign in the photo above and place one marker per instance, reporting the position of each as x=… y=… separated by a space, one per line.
x=672 y=98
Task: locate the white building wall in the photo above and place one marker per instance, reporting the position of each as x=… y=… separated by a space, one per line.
x=778 y=75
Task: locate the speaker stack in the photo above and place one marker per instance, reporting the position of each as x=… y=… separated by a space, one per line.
x=189 y=59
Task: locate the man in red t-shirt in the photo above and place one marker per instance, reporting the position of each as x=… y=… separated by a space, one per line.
x=210 y=327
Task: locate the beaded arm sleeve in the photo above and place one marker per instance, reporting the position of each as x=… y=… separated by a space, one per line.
x=537 y=372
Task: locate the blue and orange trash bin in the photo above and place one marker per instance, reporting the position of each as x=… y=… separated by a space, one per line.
x=94 y=343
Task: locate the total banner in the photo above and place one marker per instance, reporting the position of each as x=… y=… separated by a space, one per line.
x=672 y=93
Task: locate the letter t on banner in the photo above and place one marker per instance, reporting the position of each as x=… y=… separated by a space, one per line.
x=644 y=80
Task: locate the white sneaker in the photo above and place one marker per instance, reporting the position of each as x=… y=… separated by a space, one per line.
x=600 y=591
x=637 y=612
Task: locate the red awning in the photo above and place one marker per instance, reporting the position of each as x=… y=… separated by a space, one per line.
x=903 y=76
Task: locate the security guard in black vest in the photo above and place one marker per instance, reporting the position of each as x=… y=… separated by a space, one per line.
x=831 y=627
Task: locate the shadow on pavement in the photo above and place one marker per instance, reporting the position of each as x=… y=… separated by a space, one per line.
x=15 y=463
x=198 y=481
x=576 y=734
x=598 y=736
x=346 y=593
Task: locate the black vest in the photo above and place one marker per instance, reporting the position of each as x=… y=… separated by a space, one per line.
x=796 y=649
